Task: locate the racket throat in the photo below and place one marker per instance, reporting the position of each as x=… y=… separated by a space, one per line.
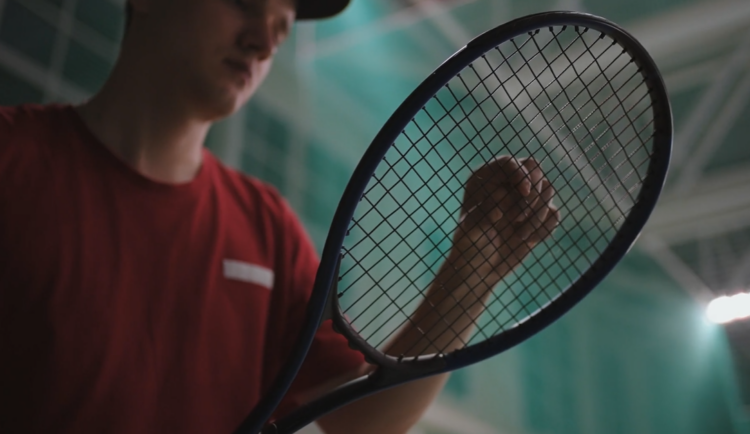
x=354 y=390
x=311 y=411
x=331 y=302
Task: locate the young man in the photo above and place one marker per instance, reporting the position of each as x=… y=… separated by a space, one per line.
x=146 y=288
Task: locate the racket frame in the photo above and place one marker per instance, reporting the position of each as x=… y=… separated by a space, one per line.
x=617 y=248
x=393 y=371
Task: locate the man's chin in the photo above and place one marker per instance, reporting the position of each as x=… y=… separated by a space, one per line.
x=224 y=106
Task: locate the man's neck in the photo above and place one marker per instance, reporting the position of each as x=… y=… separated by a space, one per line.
x=154 y=134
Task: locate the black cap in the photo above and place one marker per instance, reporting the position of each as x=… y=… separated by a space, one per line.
x=316 y=9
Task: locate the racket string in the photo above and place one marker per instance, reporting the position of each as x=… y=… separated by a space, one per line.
x=493 y=318
x=458 y=303
x=590 y=138
x=384 y=220
x=435 y=123
x=603 y=148
x=548 y=122
x=470 y=93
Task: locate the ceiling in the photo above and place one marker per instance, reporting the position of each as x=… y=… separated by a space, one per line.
x=360 y=65
x=351 y=72
x=339 y=80
x=355 y=70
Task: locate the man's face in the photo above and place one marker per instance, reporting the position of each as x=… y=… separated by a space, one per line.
x=217 y=51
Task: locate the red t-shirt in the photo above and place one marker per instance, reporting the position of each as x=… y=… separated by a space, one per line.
x=133 y=306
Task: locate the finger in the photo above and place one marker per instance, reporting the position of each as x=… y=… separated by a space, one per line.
x=534 y=219
x=534 y=226
x=490 y=179
x=525 y=230
x=481 y=216
x=552 y=221
x=534 y=207
x=544 y=204
x=536 y=178
x=502 y=183
x=539 y=216
x=515 y=174
x=510 y=181
x=548 y=191
x=494 y=216
x=536 y=175
x=520 y=186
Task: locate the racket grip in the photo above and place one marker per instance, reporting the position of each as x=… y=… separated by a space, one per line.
x=310 y=412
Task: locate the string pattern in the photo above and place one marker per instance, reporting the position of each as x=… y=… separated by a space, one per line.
x=571 y=98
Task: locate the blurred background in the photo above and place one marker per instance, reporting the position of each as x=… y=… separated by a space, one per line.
x=636 y=357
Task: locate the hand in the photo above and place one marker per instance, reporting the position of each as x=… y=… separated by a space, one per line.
x=507 y=210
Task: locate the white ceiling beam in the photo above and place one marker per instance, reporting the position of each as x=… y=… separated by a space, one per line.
x=687 y=28
x=678 y=30
x=720 y=204
x=570 y=5
x=290 y=90
x=676 y=268
x=717 y=132
x=381 y=27
x=691 y=76
x=36 y=75
x=75 y=29
x=306 y=47
x=500 y=10
x=710 y=102
x=741 y=271
x=723 y=261
x=447 y=24
x=666 y=39
x=457 y=34
x=706 y=266
x=65 y=25
x=2 y=9
x=304 y=41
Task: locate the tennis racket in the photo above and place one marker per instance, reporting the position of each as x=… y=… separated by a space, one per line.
x=557 y=121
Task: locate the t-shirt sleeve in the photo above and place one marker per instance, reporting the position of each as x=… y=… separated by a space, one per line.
x=7 y=150
x=23 y=158
x=329 y=355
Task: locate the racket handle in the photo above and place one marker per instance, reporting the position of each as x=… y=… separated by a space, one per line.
x=308 y=413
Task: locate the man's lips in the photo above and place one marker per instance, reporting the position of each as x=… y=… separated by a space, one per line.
x=240 y=67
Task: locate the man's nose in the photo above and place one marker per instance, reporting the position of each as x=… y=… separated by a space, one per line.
x=260 y=38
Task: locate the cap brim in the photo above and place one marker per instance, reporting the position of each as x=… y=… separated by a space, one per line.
x=317 y=9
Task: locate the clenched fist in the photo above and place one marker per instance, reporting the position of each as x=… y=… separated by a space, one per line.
x=507 y=210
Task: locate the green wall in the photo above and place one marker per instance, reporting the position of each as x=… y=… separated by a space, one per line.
x=636 y=357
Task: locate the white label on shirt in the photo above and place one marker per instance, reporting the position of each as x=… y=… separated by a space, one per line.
x=250 y=273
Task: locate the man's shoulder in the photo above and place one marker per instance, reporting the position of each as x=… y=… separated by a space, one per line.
x=27 y=136
x=11 y=117
x=30 y=112
x=10 y=114
x=29 y=118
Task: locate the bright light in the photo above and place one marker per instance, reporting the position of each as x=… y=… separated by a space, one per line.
x=729 y=308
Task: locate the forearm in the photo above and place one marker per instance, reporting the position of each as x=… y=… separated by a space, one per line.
x=392 y=411
x=507 y=210
x=442 y=323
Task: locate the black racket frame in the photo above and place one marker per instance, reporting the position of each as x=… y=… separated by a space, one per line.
x=324 y=300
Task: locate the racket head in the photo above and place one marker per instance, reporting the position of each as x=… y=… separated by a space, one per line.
x=586 y=133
